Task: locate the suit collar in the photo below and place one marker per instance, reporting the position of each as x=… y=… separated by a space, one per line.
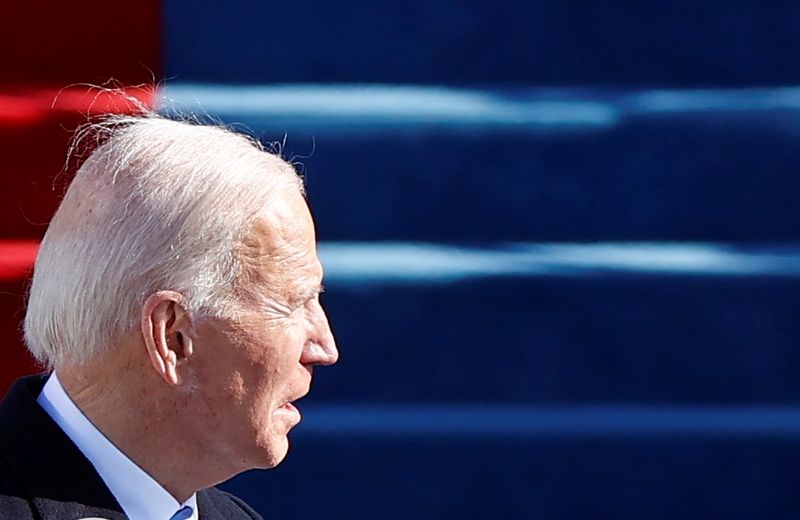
x=61 y=482
x=139 y=494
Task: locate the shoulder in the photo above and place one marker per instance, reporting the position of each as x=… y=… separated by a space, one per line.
x=14 y=503
x=225 y=504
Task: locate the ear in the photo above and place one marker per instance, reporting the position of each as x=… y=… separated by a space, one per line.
x=167 y=332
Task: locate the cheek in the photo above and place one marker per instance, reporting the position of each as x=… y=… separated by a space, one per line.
x=236 y=388
x=287 y=343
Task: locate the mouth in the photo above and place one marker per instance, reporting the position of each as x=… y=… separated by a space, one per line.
x=288 y=408
x=288 y=414
x=289 y=411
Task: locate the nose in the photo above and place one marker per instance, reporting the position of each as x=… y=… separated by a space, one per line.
x=320 y=348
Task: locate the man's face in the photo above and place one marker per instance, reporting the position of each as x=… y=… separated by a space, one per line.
x=250 y=369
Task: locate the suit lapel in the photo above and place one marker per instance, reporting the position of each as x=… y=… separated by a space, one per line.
x=207 y=508
x=60 y=480
x=54 y=510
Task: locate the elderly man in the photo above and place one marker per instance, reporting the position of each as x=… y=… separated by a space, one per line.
x=176 y=299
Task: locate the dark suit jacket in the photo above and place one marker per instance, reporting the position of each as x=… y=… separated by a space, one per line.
x=44 y=476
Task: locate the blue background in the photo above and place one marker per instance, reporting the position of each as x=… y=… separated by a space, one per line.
x=561 y=249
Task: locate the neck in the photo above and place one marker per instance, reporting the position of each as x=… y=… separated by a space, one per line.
x=148 y=420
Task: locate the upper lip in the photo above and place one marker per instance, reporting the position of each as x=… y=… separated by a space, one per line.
x=299 y=396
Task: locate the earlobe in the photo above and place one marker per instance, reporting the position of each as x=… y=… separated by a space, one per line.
x=167 y=333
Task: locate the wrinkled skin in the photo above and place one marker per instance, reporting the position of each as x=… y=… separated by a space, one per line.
x=263 y=359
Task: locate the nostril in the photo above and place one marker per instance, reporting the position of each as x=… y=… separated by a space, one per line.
x=316 y=350
x=317 y=354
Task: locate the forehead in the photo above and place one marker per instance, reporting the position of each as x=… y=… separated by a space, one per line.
x=279 y=250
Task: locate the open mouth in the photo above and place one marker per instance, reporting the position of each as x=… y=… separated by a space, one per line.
x=289 y=408
x=289 y=411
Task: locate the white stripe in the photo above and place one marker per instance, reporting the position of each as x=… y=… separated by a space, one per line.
x=345 y=107
x=380 y=106
x=400 y=262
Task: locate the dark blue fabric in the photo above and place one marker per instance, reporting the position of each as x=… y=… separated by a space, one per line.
x=680 y=42
x=513 y=477
x=565 y=339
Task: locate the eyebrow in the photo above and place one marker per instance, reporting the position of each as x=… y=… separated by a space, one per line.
x=306 y=293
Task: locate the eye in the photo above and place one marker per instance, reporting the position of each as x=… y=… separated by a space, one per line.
x=307 y=299
x=311 y=301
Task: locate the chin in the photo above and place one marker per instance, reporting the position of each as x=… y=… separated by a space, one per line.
x=280 y=450
x=272 y=451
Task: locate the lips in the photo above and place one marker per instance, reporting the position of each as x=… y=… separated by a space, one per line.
x=289 y=410
x=289 y=415
x=289 y=407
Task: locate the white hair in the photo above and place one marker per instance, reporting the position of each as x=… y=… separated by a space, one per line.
x=159 y=205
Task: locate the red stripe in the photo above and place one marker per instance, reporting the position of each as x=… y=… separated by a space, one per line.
x=30 y=106
x=17 y=258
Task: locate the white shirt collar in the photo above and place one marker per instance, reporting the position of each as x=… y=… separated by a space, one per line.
x=141 y=497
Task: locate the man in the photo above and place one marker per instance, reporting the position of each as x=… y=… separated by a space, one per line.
x=176 y=299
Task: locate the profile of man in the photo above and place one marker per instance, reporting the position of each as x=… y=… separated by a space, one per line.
x=175 y=301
